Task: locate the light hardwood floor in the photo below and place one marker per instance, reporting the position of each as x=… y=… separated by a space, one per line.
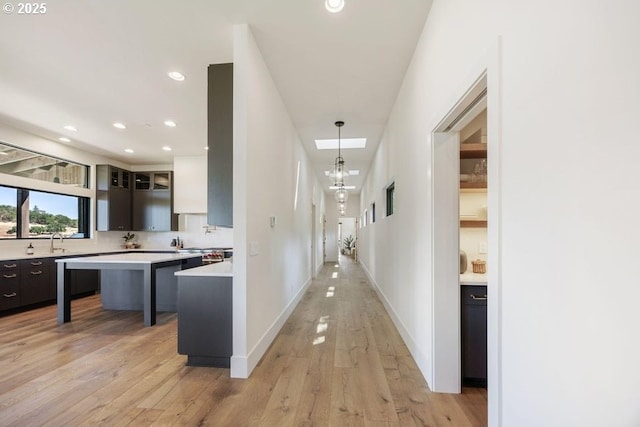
x=338 y=361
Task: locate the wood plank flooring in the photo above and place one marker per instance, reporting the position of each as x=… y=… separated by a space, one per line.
x=338 y=361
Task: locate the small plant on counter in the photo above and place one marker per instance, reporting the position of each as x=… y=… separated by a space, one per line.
x=128 y=239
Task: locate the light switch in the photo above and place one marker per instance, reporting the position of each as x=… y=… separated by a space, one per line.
x=482 y=247
x=254 y=248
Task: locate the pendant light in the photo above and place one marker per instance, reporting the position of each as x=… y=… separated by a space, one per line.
x=342 y=195
x=339 y=172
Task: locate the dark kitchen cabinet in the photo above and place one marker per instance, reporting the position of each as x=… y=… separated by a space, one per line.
x=153 y=202
x=36 y=280
x=205 y=321
x=10 y=292
x=474 y=335
x=220 y=142
x=84 y=281
x=113 y=198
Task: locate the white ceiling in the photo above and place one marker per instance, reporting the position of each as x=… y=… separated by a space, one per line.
x=93 y=62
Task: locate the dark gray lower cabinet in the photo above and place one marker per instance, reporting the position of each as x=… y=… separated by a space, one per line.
x=84 y=281
x=205 y=320
x=10 y=291
x=36 y=280
x=474 y=335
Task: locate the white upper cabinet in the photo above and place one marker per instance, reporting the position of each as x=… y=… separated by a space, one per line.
x=190 y=184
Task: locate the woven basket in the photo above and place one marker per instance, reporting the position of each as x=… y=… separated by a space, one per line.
x=479 y=266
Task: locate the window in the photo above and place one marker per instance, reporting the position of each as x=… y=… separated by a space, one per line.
x=373 y=212
x=31 y=214
x=391 y=199
x=18 y=161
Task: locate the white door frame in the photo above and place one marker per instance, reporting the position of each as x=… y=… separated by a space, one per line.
x=313 y=240
x=446 y=354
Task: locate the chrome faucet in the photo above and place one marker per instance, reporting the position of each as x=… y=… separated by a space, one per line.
x=53 y=249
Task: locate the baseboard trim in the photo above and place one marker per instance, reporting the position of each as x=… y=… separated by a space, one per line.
x=421 y=360
x=242 y=366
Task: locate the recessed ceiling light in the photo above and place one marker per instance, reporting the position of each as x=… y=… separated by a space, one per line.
x=166 y=148
x=128 y=150
x=176 y=75
x=64 y=139
x=119 y=125
x=206 y=148
x=334 y=6
x=332 y=144
x=170 y=123
x=71 y=128
x=346 y=187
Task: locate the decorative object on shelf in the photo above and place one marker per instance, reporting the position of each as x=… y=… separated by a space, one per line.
x=479 y=266
x=463 y=261
x=128 y=240
x=30 y=249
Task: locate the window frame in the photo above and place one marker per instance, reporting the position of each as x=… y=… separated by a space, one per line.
x=22 y=195
x=391 y=197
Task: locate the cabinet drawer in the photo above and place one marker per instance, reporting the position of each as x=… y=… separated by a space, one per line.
x=9 y=266
x=35 y=284
x=9 y=293
x=473 y=295
x=34 y=263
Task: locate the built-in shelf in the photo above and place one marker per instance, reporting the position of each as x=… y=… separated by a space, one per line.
x=469 y=185
x=473 y=151
x=473 y=223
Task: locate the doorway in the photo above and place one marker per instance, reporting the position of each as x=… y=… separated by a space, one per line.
x=313 y=240
x=447 y=352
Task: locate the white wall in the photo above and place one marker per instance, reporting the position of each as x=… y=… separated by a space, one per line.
x=574 y=210
x=396 y=250
x=562 y=160
x=272 y=266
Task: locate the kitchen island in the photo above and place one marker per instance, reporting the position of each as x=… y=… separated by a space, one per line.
x=146 y=268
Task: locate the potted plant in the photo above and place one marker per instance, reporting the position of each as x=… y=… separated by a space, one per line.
x=348 y=241
x=128 y=240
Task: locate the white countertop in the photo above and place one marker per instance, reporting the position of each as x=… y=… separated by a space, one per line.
x=13 y=255
x=130 y=258
x=473 y=279
x=220 y=269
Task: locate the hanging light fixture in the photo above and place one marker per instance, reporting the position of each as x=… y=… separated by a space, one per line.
x=342 y=195
x=339 y=172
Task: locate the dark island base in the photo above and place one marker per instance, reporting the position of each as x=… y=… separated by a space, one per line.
x=207 y=361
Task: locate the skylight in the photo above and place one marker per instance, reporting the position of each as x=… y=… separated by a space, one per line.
x=332 y=144
x=352 y=172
